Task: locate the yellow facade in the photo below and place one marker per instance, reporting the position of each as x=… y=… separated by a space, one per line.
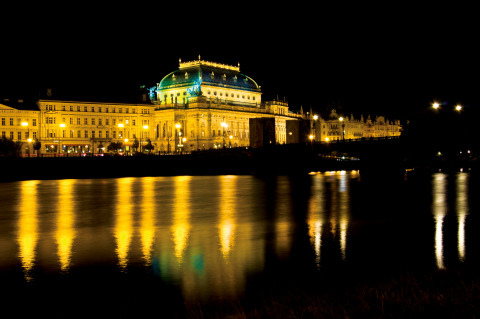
x=203 y=105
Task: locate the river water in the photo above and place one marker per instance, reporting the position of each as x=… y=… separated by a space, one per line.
x=111 y=247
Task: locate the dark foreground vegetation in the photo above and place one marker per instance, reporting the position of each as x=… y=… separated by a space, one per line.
x=441 y=294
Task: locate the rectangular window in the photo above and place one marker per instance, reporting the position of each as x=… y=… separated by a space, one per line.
x=27 y=135
x=86 y=134
x=100 y=109
x=34 y=135
x=85 y=109
x=114 y=134
x=99 y=121
x=85 y=121
x=133 y=122
x=99 y=134
x=78 y=108
x=114 y=121
x=79 y=134
x=19 y=135
x=71 y=121
x=78 y=121
x=107 y=134
x=93 y=134
x=3 y=121
x=11 y=121
x=93 y=121
x=11 y=135
x=34 y=122
x=107 y=122
x=71 y=133
x=3 y=133
x=63 y=133
x=93 y=108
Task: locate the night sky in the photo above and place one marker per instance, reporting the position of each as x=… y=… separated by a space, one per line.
x=392 y=60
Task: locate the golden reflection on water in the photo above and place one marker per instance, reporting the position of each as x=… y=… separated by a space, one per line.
x=316 y=215
x=462 y=211
x=339 y=209
x=283 y=222
x=181 y=215
x=439 y=212
x=27 y=231
x=123 y=230
x=227 y=222
x=65 y=231
x=147 y=221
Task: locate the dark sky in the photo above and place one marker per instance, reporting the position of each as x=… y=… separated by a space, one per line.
x=363 y=59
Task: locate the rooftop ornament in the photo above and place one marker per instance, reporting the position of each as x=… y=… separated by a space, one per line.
x=199 y=62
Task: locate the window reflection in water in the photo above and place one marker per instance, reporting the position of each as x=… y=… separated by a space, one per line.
x=123 y=229
x=65 y=231
x=462 y=211
x=439 y=212
x=147 y=218
x=27 y=229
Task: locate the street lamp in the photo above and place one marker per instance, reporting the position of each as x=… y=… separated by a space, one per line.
x=177 y=135
x=224 y=125
x=436 y=105
x=458 y=108
x=62 y=125
x=341 y=119
x=145 y=127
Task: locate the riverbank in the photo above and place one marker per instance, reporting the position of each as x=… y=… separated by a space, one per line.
x=439 y=294
x=228 y=162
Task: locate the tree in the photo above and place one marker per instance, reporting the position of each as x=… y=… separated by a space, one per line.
x=10 y=148
x=135 y=144
x=149 y=147
x=114 y=146
x=37 y=145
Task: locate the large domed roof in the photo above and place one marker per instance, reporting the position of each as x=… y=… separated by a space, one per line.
x=211 y=73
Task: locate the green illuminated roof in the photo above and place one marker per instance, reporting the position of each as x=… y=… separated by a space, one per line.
x=211 y=74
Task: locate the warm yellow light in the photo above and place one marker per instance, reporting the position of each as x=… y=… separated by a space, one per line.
x=24 y=123
x=315 y=117
x=145 y=127
x=120 y=125
x=340 y=119
x=310 y=136
x=435 y=105
x=327 y=139
x=126 y=140
x=62 y=125
x=29 y=140
x=458 y=108
x=231 y=136
x=184 y=139
x=224 y=124
x=178 y=125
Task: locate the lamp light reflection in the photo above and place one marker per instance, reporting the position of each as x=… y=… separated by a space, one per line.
x=439 y=212
x=316 y=216
x=124 y=221
x=27 y=234
x=147 y=221
x=181 y=216
x=65 y=233
x=227 y=222
x=462 y=212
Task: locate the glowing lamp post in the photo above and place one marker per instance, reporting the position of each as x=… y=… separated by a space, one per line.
x=341 y=119
x=62 y=125
x=177 y=135
x=25 y=124
x=224 y=125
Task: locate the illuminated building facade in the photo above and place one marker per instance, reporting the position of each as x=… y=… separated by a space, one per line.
x=202 y=105
x=207 y=105
x=336 y=127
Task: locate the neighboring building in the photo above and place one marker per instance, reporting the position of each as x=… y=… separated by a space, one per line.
x=336 y=127
x=262 y=132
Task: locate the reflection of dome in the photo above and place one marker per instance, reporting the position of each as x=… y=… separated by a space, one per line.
x=211 y=74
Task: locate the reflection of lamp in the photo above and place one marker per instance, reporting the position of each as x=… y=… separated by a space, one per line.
x=177 y=135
